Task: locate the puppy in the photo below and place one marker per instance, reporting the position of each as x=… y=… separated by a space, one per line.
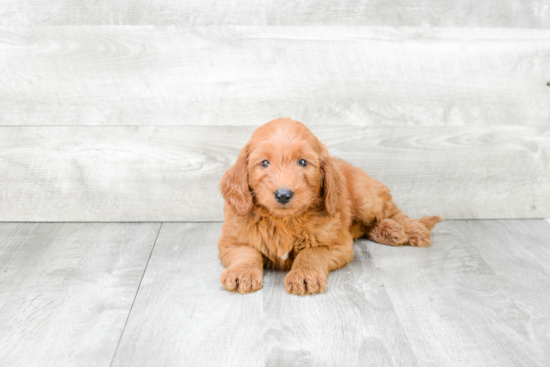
x=290 y=206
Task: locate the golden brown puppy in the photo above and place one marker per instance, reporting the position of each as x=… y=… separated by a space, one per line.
x=290 y=206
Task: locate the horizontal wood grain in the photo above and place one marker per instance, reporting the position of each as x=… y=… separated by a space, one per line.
x=66 y=289
x=248 y=75
x=182 y=316
x=139 y=173
x=466 y=13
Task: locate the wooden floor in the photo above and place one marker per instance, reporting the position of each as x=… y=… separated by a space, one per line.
x=148 y=294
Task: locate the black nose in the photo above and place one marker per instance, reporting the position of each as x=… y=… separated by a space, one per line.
x=283 y=196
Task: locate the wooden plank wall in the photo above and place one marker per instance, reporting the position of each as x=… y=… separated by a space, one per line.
x=393 y=13
x=131 y=111
x=82 y=75
x=171 y=173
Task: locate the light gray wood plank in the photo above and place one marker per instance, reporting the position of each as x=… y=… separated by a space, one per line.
x=453 y=308
x=477 y=297
x=172 y=173
x=352 y=323
x=182 y=316
x=66 y=290
x=519 y=253
x=466 y=13
x=229 y=75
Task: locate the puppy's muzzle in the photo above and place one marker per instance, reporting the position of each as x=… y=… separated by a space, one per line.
x=283 y=196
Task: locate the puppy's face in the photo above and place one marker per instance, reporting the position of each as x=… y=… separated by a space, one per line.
x=284 y=168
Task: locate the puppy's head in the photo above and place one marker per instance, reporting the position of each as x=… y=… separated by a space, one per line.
x=283 y=168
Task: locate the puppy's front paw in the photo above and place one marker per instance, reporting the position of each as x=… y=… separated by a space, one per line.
x=242 y=279
x=305 y=281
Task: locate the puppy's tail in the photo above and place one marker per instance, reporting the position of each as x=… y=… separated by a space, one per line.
x=430 y=221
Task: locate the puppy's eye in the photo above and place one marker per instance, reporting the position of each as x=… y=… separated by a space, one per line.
x=264 y=163
x=302 y=163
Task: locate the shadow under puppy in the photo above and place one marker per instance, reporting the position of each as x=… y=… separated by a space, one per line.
x=290 y=206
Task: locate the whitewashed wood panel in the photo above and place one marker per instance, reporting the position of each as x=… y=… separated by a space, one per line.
x=231 y=75
x=172 y=173
x=453 y=308
x=352 y=323
x=182 y=316
x=465 y=13
x=66 y=290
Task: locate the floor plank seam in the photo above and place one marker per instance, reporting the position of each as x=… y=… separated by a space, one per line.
x=135 y=297
x=377 y=269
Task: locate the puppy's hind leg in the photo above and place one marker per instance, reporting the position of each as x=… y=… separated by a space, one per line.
x=388 y=232
x=430 y=221
x=397 y=229
x=418 y=231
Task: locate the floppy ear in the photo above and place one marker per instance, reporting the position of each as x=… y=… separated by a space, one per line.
x=234 y=185
x=332 y=184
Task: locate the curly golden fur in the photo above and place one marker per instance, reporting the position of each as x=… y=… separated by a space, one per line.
x=332 y=204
